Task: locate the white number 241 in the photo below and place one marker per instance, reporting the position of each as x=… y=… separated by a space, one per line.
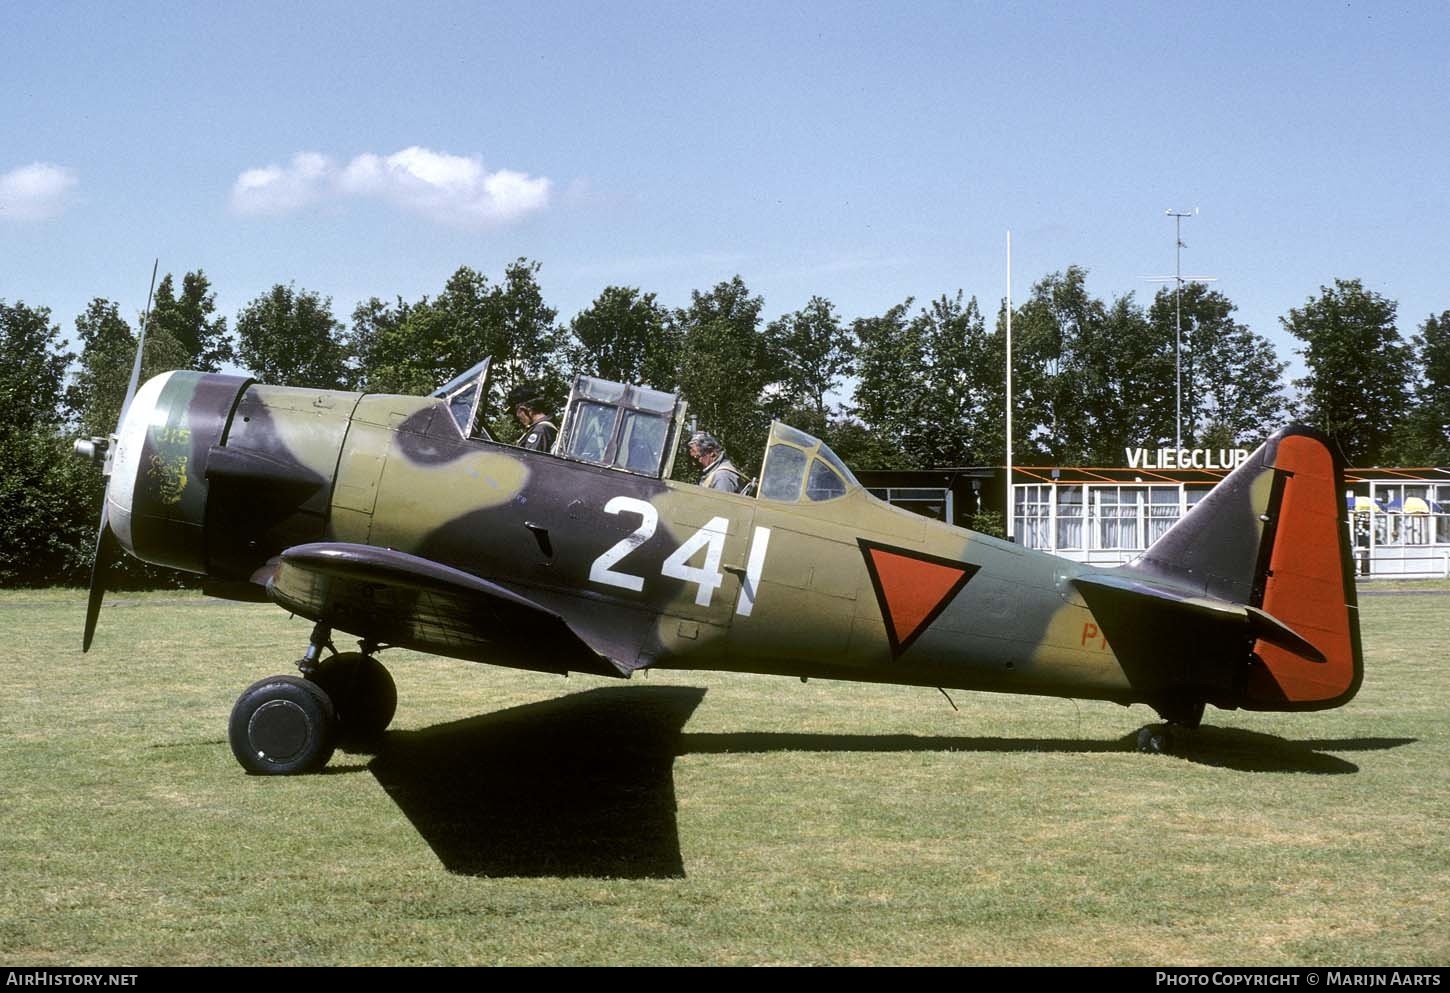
x=708 y=577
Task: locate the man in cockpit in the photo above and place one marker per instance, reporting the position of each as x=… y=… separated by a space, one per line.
x=720 y=472
x=529 y=407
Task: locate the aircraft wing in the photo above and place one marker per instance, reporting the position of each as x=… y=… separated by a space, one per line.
x=399 y=599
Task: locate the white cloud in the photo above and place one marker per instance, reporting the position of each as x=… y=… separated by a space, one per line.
x=277 y=190
x=448 y=188
x=35 y=192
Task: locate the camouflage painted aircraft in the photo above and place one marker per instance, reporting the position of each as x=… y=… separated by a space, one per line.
x=397 y=520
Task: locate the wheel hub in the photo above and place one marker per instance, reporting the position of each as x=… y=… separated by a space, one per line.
x=279 y=730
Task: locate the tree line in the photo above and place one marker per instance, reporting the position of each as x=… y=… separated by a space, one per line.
x=919 y=385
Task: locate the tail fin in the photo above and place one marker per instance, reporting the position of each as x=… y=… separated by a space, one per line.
x=1253 y=589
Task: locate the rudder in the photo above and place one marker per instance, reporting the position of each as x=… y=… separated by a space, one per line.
x=1308 y=583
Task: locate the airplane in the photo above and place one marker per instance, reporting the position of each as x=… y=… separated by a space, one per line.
x=399 y=521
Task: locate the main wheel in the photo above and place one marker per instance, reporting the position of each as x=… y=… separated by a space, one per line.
x=363 y=692
x=281 y=726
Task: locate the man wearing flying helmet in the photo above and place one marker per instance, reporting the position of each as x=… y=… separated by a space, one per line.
x=527 y=403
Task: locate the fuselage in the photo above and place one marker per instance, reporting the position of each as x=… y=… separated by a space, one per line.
x=218 y=475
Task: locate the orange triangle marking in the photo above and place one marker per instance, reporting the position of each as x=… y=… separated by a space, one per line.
x=912 y=589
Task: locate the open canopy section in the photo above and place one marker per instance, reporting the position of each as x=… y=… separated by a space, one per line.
x=464 y=394
x=631 y=428
x=801 y=469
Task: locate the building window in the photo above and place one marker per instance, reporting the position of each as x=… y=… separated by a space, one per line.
x=1034 y=516
x=928 y=501
x=1162 y=510
x=1069 y=517
x=1117 y=516
x=1415 y=522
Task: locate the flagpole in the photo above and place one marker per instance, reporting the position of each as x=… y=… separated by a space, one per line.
x=1009 y=385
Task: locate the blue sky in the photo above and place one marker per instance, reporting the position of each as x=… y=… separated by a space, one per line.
x=863 y=152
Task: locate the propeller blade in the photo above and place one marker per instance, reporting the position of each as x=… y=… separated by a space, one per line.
x=140 y=349
x=108 y=549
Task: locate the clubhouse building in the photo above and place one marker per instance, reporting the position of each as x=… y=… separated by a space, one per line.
x=1399 y=517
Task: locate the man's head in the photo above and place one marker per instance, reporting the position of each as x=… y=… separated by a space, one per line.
x=704 y=448
x=527 y=404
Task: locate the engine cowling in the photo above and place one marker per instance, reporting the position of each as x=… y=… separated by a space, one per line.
x=217 y=474
x=157 y=496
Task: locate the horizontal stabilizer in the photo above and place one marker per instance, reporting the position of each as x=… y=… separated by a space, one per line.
x=1256 y=623
x=1267 y=627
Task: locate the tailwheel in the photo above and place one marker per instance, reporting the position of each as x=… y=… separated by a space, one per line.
x=282 y=726
x=361 y=689
x=1156 y=739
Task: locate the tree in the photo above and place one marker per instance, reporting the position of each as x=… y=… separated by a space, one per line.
x=389 y=349
x=44 y=505
x=108 y=350
x=1048 y=332
x=189 y=320
x=726 y=363
x=526 y=343
x=1089 y=377
x=1358 y=368
x=962 y=383
x=891 y=351
x=1422 y=437
x=1124 y=371
x=627 y=337
x=49 y=501
x=32 y=368
x=929 y=386
x=862 y=447
x=416 y=348
x=108 y=354
x=1232 y=377
x=289 y=337
x=815 y=352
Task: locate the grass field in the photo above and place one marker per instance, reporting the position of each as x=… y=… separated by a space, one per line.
x=512 y=818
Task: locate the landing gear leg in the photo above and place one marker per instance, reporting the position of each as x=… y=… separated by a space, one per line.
x=312 y=658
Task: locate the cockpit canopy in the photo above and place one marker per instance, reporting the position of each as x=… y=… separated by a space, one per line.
x=636 y=429
x=801 y=469
x=633 y=428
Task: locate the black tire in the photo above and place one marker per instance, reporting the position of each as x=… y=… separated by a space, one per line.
x=1156 y=739
x=282 y=726
x=363 y=692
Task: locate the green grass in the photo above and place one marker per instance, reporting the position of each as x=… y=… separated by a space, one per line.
x=521 y=819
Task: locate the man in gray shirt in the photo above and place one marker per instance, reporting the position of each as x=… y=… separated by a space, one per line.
x=720 y=472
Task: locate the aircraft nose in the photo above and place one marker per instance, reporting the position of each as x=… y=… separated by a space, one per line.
x=126 y=460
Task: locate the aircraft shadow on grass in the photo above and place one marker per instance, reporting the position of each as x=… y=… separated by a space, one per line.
x=583 y=785
x=1228 y=748
x=578 y=786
